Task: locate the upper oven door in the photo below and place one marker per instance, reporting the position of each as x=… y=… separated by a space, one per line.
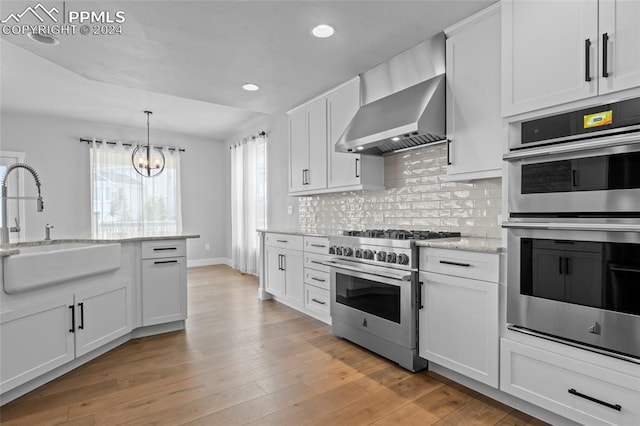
x=585 y=179
x=379 y=303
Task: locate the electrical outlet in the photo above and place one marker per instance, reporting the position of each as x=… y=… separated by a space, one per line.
x=290 y=209
x=207 y=246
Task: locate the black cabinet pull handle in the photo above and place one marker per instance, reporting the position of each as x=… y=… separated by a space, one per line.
x=73 y=320
x=160 y=262
x=420 y=305
x=616 y=407
x=605 y=51
x=279 y=262
x=282 y=241
x=316 y=262
x=81 y=306
x=357 y=170
x=318 y=279
x=566 y=265
x=574 y=177
x=587 y=60
x=319 y=301
x=447 y=262
x=318 y=245
x=560 y=265
x=165 y=248
x=448 y=152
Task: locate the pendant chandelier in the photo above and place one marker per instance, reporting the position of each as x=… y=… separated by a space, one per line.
x=147 y=160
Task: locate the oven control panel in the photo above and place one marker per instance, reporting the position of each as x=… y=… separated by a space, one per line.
x=377 y=254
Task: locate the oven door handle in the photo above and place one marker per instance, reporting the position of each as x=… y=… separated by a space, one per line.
x=399 y=276
x=610 y=227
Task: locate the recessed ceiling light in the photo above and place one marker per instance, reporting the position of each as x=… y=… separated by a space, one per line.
x=322 y=31
x=250 y=87
x=43 y=38
x=395 y=139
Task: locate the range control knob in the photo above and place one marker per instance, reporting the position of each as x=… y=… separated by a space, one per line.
x=403 y=259
x=347 y=251
x=332 y=249
x=381 y=256
x=367 y=254
x=359 y=253
x=339 y=251
x=391 y=258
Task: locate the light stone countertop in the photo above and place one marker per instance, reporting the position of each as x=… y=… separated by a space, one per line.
x=11 y=249
x=479 y=244
x=291 y=232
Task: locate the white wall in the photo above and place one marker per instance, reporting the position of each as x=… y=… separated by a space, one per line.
x=277 y=171
x=52 y=148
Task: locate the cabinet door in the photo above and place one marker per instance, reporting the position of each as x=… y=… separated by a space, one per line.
x=342 y=105
x=317 y=134
x=34 y=340
x=102 y=315
x=164 y=290
x=459 y=325
x=298 y=149
x=274 y=282
x=545 y=53
x=620 y=22
x=474 y=123
x=293 y=264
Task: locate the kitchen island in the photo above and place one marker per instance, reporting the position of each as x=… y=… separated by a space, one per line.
x=57 y=314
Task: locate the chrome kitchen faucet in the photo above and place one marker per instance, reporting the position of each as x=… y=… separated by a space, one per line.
x=4 y=235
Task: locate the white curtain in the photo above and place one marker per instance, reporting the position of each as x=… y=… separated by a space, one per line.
x=248 y=200
x=125 y=204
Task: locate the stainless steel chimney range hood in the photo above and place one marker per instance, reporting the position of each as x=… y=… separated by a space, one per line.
x=403 y=103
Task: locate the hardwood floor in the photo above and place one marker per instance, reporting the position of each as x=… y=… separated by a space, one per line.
x=243 y=361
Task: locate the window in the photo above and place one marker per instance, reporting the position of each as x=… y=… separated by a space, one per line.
x=126 y=204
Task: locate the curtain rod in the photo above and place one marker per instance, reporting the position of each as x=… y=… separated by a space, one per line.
x=82 y=140
x=252 y=137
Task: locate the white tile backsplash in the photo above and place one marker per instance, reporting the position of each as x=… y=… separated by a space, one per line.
x=416 y=197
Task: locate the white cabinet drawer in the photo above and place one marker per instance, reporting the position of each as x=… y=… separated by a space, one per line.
x=286 y=241
x=459 y=263
x=318 y=245
x=314 y=261
x=316 y=300
x=164 y=248
x=317 y=278
x=584 y=392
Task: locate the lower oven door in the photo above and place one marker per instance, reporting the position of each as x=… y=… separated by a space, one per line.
x=380 y=305
x=580 y=285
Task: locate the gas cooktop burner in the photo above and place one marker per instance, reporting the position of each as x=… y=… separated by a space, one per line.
x=400 y=234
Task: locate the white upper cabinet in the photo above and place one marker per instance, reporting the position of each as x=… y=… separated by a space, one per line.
x=554 y=52
x=307 y=147
x=620 y=45
x=474 y=122
x=314 y=129
x=549 y=53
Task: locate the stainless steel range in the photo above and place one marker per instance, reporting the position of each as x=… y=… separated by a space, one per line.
x=375 y=291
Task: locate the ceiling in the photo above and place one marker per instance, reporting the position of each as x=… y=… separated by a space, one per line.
x=187 y=60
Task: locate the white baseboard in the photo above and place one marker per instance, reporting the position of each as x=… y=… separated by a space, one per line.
x=194 y=263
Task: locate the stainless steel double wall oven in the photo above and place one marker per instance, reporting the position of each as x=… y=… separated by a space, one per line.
x=574 y=229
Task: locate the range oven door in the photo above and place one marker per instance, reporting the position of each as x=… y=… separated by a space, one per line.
x=576 y=282
x=594 y=177
x=375 y=300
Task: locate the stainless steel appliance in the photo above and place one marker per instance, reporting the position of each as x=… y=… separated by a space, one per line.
x=375 y=291
x=574 y=229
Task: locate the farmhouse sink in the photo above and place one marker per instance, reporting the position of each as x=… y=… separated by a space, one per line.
x=41 y=266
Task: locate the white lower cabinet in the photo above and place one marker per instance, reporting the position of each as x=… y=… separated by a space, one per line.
x=102 y=314
x=35 y=339
x=164 y=282
x=458 y=324
x=284 y=275
x=587 y=393
x=164 y=290
x=38 y=338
